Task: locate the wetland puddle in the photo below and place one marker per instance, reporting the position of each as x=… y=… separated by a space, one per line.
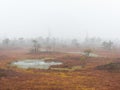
x=35 y=64
x=91 y=54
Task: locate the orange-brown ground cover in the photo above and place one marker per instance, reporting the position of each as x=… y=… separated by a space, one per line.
x=88 y=78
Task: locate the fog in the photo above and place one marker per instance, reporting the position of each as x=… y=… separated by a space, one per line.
x=60 y=18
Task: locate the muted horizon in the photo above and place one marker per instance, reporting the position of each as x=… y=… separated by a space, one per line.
x=63 y=19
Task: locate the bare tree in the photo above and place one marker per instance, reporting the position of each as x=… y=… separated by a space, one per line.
x=36 y=46
x=6 y=42
x=48 y=45
x=107 y=45
x=75 y=43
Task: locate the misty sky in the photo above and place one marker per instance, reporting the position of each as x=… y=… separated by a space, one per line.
x=63 y=18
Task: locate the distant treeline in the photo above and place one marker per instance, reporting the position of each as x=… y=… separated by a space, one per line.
x=51 y=44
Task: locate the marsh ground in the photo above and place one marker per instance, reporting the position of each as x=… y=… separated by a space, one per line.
x=87 y=78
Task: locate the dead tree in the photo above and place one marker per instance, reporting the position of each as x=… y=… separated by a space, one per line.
x=107 y=45
x=36 y=46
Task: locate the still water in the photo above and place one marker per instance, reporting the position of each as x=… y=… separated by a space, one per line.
x=35 y=64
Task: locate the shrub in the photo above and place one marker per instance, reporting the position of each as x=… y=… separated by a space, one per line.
x=87 y=52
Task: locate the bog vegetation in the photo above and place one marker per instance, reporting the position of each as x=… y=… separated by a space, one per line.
x=84 y=64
